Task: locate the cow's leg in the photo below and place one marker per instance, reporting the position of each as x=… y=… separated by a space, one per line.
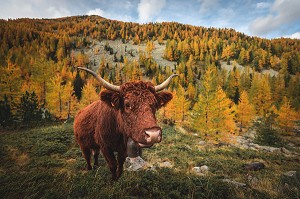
x=87 y=155
x=121 y=160
x=111 y=161
x=122 y=154
x=96 y=155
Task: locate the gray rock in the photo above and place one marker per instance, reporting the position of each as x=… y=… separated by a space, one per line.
x=291 y=173
x=166 y=164
x=252 y=180
x=285 y=151
x=196 y=169
x=255 y=166
x=291 y=144
x=270 y=149
x=238 y=184
x=201 y=171
x=204 y=169
x=135 y=164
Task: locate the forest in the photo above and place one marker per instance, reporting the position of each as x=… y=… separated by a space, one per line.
x=39 y=79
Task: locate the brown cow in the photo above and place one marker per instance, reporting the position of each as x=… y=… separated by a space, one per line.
x=123 y=112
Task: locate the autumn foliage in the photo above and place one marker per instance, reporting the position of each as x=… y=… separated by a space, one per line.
x=40 y=55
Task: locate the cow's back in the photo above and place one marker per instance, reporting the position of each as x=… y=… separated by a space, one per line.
x=95 y=125
x=84 y=124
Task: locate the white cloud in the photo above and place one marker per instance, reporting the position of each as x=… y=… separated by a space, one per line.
x=96 y=11
x=107 y=15
x=263 y=5
x=148 y=9
x=33 y=9
x=282 y=12
x=295 y=35
x=208 y=5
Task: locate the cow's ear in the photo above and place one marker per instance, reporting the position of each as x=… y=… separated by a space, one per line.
x=112 y=98
x=163 y=98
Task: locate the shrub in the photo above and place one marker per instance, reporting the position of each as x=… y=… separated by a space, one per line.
x=266 y=134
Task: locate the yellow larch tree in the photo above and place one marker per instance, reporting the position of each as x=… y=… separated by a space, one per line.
x=182 y=106
x=260 y=94
x=69 y=101
x=287 y=116
x=225 y=111
x=245 y=111
x=54 y=101
x=191 y=91
x=89 y=94
x=60 y=98
x=168 y=112
x=223 y=118
x=203 y=112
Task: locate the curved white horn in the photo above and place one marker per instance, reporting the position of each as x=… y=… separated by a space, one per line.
x=165 y=83
x=104 y=83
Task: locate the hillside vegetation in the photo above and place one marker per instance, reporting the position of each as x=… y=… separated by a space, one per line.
x=39 y=79
x=46 y=162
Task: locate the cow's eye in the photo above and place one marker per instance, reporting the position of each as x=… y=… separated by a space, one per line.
x=127 y=106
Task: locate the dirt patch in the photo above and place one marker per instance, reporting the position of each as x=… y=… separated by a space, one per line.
x=97 y=51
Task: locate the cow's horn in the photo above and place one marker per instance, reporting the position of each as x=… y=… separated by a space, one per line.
x=104 y=83
x=165 y=83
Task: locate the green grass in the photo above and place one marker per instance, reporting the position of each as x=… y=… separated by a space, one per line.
x=46 y=162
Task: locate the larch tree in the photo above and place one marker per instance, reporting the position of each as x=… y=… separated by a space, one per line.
x=203 y=112
x=287 y=116
x=60 y=98
x=54 y=101
x=223 y=117
x=225 y=110
x=182 y=105
x=245 y=111
x=89 y=94
x=260 y=94
x=168 y=112
x=69 y=101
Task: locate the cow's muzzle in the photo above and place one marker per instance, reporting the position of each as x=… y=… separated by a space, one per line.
x=152 y=136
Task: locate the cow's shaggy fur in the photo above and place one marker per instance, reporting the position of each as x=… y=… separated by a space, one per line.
x=106 y=125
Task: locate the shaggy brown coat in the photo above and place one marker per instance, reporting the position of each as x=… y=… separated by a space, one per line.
x=106 y=125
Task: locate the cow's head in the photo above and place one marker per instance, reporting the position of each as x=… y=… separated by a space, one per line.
x=137 y=103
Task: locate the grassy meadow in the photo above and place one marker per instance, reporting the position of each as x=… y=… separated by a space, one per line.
x=46 y=162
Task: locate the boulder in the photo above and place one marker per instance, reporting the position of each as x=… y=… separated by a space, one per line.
x=135 y=164
x=252 y=180
x=290 y=174
x=238 y=184
x=166 y=164
x=255 y=166
x=285 y=151
x=202 y=171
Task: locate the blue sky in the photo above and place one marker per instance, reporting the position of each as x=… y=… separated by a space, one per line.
x=263 y=18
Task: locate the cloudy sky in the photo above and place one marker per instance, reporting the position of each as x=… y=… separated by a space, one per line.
x=263 y=18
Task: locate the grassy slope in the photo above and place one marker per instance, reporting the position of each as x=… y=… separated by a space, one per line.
x=45 y=162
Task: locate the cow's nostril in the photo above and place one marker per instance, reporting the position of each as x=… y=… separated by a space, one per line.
x=147 y=136
x=153 y=135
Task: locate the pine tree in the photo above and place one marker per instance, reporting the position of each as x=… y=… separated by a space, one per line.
x=78 y=84
x=29 y=107
x=5 y=112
